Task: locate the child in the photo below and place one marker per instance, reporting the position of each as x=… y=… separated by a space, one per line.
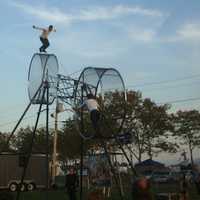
x=44 y=36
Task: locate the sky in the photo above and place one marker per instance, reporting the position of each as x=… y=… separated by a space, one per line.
x=153 y=44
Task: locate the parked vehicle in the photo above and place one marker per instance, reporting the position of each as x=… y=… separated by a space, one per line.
x=148 y=174
x=161 y=177
x=11 y=168
x=175 y=176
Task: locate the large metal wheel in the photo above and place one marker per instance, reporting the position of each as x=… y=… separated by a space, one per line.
x=43 y=67
x=107 y=85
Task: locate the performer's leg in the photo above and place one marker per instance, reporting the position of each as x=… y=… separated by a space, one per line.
x=43 y=44
x=46 y=44
x=95 y=116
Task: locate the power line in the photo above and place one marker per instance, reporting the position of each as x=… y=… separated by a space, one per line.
x=172 y=87
x=15 y=121
x=8 y=123
x=146 y=84
x=131 y=85
x=164 y=82
x=167 y=102
x=181 y=100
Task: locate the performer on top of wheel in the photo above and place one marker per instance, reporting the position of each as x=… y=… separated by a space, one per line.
x=44 y=36
x=92 y=106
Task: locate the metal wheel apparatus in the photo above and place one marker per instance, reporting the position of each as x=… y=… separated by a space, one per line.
x=106 y=84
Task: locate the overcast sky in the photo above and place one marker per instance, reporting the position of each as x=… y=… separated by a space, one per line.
x=154 y=44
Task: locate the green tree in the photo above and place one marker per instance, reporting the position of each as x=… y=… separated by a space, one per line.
x=4 y=147
x=133 y=125
x=157 y=126
x=69 y=141
x=187 y=128
x=113 y=109
x=24 y=137
x=150 y=126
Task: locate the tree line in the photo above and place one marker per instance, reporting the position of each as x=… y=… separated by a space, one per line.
x=153 y=128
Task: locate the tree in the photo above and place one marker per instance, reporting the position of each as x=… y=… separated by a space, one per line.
x=24 y=137
x=133 y=125
x=113 y=109
x=4 y=147
x=150 y=125
x=157 y=126
x=69 y=141
x=187 y=128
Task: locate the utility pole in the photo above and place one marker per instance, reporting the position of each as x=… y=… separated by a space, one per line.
x=54 y=156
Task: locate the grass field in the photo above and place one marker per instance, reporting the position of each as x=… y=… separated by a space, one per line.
x=62 y=195
x=55 y=195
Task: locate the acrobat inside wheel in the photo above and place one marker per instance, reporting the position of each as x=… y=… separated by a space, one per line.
x=108 y=87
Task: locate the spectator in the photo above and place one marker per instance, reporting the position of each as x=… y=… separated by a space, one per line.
x=71 y=183
x=184 y=189
x=197 y=183
x=142 y=190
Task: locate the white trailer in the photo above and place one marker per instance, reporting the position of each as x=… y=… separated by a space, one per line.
x=11 y=168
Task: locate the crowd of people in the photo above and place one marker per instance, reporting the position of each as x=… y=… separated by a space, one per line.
x=141 y=188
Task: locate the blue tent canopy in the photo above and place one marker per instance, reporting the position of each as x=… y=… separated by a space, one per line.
x=149 y=162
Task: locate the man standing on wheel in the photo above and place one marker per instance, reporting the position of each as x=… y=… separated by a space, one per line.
x=44 y=36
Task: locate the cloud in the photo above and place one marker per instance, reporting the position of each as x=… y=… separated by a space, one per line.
x=188 y=32
x=98 y=13
x=49 y=14
x=90 y=14
x=142 y=35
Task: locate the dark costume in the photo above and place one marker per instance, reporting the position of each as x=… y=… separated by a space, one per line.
x=95 y=116
x=196 y=178
x=71 y=184
x=45 y=44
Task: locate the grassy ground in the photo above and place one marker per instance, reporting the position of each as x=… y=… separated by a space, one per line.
x=57 y=195
x=174 y=188
x=61 y=195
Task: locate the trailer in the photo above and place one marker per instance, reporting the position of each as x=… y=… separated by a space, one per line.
x=11 y=169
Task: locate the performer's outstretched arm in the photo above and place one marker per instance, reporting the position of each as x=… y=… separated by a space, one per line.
x=38 y=28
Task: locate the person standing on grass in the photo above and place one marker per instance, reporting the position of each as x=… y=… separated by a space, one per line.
x=141 y=189
x=44 y=36
x=71 y=183
x=197 y=183
x=184 y=188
